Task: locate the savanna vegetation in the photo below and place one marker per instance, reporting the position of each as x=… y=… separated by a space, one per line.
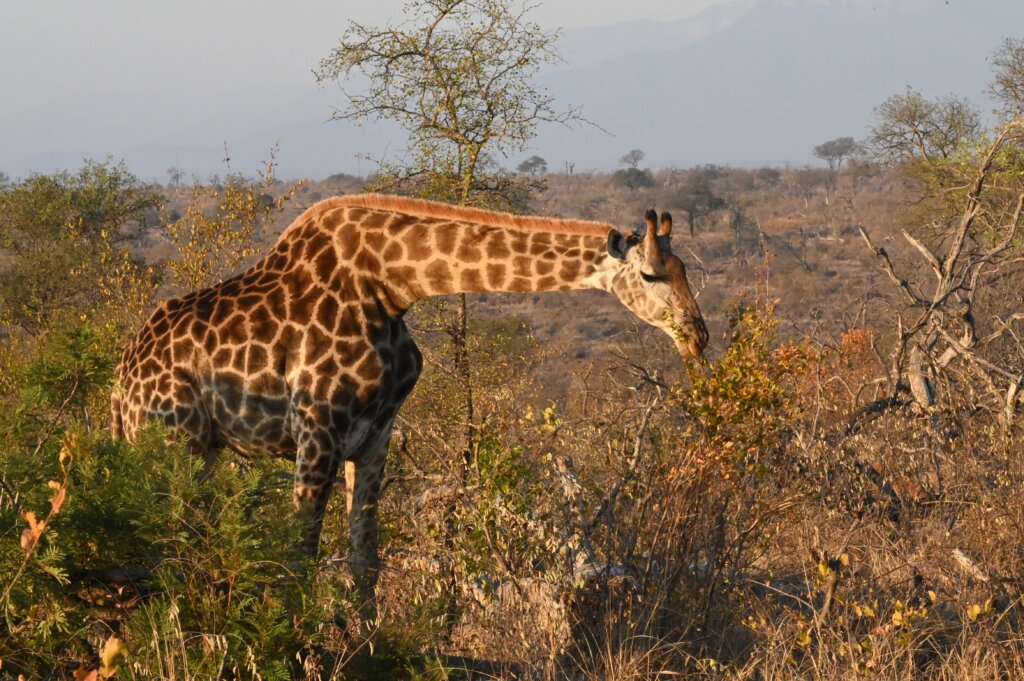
x=834 y=493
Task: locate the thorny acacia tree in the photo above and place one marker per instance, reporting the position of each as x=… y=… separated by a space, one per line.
x=835 y=151
x=458 y=76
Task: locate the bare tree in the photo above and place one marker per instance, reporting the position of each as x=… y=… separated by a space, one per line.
x=174 y=176
x=1008 y=87
x=911 y=127
x=959 y=320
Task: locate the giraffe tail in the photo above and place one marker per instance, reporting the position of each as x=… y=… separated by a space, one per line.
x=116 y=419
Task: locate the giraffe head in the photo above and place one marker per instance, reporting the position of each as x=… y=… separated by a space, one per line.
x=651 y=282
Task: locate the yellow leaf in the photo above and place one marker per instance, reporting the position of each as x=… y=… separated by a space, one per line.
x=974 y=611
x=804 y=638
x=30 y=536
x=59 y=492
x=114 y=651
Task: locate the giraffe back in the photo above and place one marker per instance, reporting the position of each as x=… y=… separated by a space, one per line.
x=289 y=351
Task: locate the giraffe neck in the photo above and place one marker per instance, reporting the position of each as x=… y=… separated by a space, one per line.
x=440 y=257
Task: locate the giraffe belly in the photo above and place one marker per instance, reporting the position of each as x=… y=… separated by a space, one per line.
x=251 y=418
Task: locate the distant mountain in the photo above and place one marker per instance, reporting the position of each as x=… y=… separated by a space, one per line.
x=594 y=45
x=781 y=79
x=748 y=83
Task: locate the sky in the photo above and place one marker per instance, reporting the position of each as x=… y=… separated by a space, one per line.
x=57 y=48
x=172 y=82
x=87 y=78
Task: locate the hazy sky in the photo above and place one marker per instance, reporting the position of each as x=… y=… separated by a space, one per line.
x=172 y=82
x=58 y=48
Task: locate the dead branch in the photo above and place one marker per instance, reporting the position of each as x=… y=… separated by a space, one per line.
x=943 y=326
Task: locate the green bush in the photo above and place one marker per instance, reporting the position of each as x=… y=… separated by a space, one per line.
x=193 y=570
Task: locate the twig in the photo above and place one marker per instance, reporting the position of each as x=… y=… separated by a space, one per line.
x=613 y=494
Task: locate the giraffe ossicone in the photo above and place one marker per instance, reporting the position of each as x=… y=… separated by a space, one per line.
x=305 y=354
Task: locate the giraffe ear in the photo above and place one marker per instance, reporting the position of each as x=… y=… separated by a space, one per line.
x=666 y=224
x=617 y=245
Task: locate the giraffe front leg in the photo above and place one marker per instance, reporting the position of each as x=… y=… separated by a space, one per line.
x=314 y=478
x=363 y=481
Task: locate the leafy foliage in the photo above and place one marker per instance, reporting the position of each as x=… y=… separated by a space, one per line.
x=459 y=78
x=834 y=151
x=633 y=178
x=92 y=215
x=912 y=127
x=221 y=227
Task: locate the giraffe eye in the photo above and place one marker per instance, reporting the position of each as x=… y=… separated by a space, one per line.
x=651 y=278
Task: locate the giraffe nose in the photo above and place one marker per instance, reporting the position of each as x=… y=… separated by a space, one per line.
x=702 y=333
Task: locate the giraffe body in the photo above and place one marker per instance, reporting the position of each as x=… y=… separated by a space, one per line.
x=305 y=354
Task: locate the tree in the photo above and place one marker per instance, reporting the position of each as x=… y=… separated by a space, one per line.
x=632 y=158
x=767 y=177
x=535 y=165
x=966 y=229
x=5 y=179
x=1008 y=87
x=911 y=127
x=633 y=178
x=174 y=176
x=695 y=195
x=834 y=151
x=68 y=235
x=963 y=327
x=459 y=78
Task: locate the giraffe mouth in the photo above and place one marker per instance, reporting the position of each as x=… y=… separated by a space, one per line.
x=689 y=333
x=689 y=349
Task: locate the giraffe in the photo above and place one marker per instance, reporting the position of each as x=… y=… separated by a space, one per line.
x=305 y=355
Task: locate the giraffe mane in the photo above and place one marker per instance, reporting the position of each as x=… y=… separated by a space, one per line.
x=433 y=209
